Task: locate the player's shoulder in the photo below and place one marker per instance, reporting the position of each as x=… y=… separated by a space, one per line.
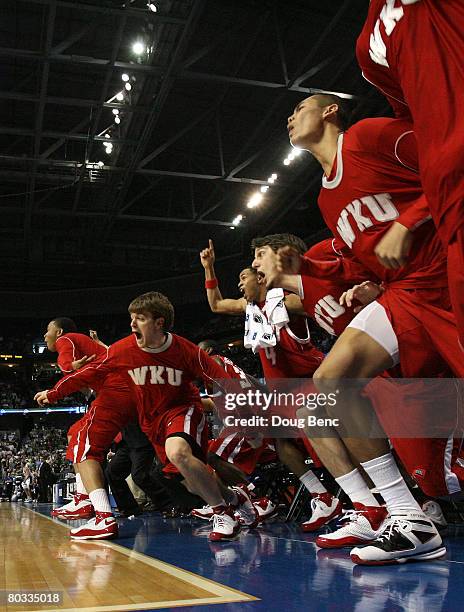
x=73 y=337
x=365 y=134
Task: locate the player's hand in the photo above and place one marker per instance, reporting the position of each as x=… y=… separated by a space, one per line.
x=288 y=260
x=207 y=256
x=365 y=293
x=41 y=398
x=393 y=249
x=82 y=361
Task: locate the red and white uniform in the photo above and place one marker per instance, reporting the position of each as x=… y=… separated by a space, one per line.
x=113 y=408
x=370 y=187
x=373 y=184
x=161 y=381
x=413 y=52
x=294 y=356
x=233 y=446
x=320 y=296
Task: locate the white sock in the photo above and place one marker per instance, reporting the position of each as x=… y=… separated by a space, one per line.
x=387 y=478
x=100 y=501
x=356 y=488
x=312 y=482
x=80 y=485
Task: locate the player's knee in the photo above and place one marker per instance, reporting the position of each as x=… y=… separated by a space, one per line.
x=179 y=453
x=326 y=378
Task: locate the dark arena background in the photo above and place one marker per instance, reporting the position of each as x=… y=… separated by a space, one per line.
x=131 y=135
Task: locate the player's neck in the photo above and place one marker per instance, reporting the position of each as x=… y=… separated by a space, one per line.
x=325 y=148
x=158 y=340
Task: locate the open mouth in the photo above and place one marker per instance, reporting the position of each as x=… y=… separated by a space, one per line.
x=138 y=335
x=261 y=275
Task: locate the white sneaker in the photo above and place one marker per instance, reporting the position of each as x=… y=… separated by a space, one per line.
x=102 y=527
x=80 y=507
x=360 y=526
x=205 y=513
x=405 y=537
x=432 y=510
x=225 y=527
x=248 y=515
x=325 y=508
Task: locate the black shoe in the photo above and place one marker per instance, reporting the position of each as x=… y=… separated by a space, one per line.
x=406 y=537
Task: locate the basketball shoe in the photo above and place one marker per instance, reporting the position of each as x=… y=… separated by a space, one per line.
x=360 y=526
x=80 y=507
x=325 y=508
x=102 y=527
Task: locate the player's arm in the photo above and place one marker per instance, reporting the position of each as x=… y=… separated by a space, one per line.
x=93 y=334
x=294 y=305
x=216 y=302
x=87 y=376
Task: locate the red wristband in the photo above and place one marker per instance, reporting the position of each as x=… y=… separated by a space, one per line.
x=211 y=284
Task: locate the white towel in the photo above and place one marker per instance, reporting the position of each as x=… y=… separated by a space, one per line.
x=258 y=332
x=276 y=311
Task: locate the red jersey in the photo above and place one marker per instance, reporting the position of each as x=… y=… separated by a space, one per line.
x=161 y=378
x=373 y=183
x=73 y=346
x=293 y=356
x=320 y=296
x=413 y=52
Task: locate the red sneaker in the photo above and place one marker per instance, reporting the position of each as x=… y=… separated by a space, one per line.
x=80 y=507
x=325 y=508
x=102 y=527
x=360 y=526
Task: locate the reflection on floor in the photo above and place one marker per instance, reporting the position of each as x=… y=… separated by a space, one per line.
x=282 y=566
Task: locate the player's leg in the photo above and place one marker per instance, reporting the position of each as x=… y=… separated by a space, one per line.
x=117 y=470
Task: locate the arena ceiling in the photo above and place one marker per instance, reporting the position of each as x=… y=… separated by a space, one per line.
x=200 y=131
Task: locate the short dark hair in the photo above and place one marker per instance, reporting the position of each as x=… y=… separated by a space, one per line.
x=155 y=304
x=67 y=325
x=277 y=241
x=249 y=269
x=343 y=114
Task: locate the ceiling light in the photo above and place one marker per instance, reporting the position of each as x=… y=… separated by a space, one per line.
x=264 y=188
x=255 y=200
x=117 y=119
x=286 y=162
x=152 y=7
x=120 y=96
x=138 y=47
x=125 y=77
x=115 y=111
x=237 y=220
x=297 y=151
x=101 y=164
x=128 y=86
x=107 y=136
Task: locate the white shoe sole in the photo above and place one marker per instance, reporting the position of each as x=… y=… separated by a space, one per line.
x=437 y=553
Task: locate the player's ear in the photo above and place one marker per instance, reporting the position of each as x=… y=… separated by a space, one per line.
x=330 y=111
x=159 y=322
x=59 y=332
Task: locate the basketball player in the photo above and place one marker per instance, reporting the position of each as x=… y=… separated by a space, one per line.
x=413 y=52
x=90 y=437
x=369 y=187
x=293 y=356
x=159 y=367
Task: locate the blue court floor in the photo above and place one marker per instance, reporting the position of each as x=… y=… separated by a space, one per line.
x=284 y=568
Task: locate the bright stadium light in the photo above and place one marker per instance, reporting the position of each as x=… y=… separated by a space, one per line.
x=264 y=188
x=152 y=7
x=125 y=77
x=128 y=86
x=255 y=199
x=138 y=47
x=120 y=96
x=115 y=111
x=117 y=119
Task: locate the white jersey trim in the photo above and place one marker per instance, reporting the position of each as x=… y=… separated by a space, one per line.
x=161 y=348
x=335 y=182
